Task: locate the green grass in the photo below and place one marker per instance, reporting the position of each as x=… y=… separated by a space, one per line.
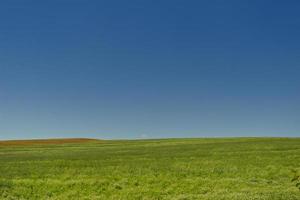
x=215 y=169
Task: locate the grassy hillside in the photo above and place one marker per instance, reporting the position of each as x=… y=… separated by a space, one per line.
x=215 y=169
x=47 y=141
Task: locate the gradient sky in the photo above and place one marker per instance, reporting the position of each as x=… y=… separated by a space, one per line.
x=149 y=69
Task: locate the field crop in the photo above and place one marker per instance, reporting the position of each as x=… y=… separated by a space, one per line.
x=214 y=169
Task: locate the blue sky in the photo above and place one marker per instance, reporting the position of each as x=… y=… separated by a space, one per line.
x=133 y=69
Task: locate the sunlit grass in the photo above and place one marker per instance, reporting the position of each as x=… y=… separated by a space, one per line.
x=237 y=168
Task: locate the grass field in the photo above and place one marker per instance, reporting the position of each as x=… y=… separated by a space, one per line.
x=215 y=169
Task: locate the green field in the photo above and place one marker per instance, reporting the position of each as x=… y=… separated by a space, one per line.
x=215 y=169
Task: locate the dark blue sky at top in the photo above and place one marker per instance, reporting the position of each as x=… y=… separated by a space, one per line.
x=133 y=69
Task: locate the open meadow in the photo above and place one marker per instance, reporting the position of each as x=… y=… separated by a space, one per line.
x=214 y=169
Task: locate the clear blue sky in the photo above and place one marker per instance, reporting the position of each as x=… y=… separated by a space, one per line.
x=131 y=69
